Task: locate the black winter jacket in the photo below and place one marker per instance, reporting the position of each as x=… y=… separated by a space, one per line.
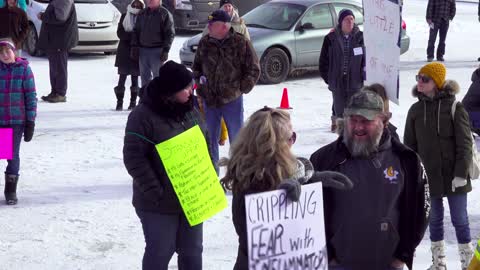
x=471 y=100
x=154 y=29
x=331 y=61
x=414 y=203
x=153 y=120
x=126 y=64
x=56 y=34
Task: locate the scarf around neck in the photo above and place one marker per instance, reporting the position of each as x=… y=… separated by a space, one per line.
x=130 y=18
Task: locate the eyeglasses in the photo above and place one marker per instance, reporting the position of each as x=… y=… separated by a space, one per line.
x=292 y=138
x=423 y=79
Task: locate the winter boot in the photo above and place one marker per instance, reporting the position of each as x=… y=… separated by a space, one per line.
x=133 y=97
x=439 y=261
x=11 y=189
x=119 y=93
x=466 y=253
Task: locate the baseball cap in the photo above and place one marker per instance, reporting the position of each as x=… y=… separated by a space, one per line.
x=219 y=16
x=365 y=103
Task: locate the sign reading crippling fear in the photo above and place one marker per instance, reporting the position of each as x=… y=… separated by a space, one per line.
x=193 y=177
x=382 y=33
x=286 y=235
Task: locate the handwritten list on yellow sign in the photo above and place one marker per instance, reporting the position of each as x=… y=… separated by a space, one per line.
x=193 y=177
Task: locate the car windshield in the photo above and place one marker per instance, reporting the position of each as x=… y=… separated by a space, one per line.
x=278 y=16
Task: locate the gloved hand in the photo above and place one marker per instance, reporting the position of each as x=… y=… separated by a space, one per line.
x=134 y=53
x=28 y=131
x=332 y=179
x=458 y=182
x=164 y=56
x=292 y=187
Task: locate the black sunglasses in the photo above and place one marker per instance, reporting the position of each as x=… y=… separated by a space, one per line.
x=424 y=79
x=266 y=109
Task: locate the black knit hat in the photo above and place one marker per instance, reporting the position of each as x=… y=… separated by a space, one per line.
x=344 y=13
x=172 y=78
x=223 y=2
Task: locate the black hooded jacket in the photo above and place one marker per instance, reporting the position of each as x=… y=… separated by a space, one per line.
x=156 y=119
x=397 y=241
x=471 y=100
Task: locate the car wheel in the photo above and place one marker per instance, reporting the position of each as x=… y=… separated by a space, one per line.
x=30 y=44
x=275 y=66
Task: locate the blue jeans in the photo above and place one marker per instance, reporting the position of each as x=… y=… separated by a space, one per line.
x=166 y=234
x=232 y=113
x=13 y=165
x=458 y=211
x=149 y=62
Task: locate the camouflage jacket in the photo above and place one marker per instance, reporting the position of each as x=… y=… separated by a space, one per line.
x=230 y=67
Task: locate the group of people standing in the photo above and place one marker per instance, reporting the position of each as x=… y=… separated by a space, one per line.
x=442 y=140
x=225 y=68
x=392 y=190
x=401 y=184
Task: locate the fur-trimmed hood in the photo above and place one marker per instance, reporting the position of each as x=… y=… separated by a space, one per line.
x=450 y=87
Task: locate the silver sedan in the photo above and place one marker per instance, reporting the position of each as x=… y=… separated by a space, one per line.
x=288 y=34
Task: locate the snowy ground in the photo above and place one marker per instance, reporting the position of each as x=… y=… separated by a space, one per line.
x=75 y=211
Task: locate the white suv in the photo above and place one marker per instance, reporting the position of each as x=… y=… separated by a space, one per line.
x=97 y=26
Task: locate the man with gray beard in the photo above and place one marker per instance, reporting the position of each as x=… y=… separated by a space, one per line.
x=377 y=224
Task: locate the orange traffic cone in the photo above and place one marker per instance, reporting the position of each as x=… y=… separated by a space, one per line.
x=284 y=103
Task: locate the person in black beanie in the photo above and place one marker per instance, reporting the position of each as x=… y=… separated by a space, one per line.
x=342 y=62
x=165 y=111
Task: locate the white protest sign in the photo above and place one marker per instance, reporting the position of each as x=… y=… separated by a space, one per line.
x=382 y=22
x=285 y=235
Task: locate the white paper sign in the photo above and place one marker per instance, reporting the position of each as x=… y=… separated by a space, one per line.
x=382 y=42
x=285 y=235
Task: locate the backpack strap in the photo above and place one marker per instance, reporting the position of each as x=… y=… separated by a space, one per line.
x=454 y=107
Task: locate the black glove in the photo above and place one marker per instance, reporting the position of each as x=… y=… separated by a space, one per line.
x=154 y=194
x=332 y=179
x=164 y=56
x=292 y=187
x=28 y=131
x=134 y=53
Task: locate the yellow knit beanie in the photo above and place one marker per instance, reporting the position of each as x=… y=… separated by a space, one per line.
x=436 y=71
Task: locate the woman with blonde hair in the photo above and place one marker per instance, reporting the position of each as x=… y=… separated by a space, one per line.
x=261 y=160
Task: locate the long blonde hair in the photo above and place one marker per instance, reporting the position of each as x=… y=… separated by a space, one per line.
x=260 y=157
